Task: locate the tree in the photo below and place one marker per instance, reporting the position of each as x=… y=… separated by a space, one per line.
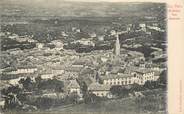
x=148 y=85
x=27 y=83
x=151 y=84
x=51 y=84
x=11 y=89
x=91 y=98
x=119 y=91
x=137 y=87
x=163 y=77
x=38 y=79
x=116 y=90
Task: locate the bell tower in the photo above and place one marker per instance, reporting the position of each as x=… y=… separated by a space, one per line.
x=117 y=46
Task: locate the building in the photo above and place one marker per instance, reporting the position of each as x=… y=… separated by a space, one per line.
x=130 y=76
x=142 y=26
x=85 y=41
x=117 y=46
x=47 y=76
x=58 y=44
x=21 y=70
x=100 y=90
x=92 y=35
x=118 y=79
x=39 y=45
x=26 y=70
x=143 y=75
x=101 y=37
x=129 y=27
x=73 y=87
x=79 y=64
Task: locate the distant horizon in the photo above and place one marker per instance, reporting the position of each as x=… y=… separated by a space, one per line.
x=81 y=9
x=93 y=1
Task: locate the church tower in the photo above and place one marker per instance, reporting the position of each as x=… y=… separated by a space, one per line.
x=117 y=46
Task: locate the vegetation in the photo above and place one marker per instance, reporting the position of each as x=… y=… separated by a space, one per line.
x=92 y=98
x=17 y=95
x=122 y=91
x=7 y=44
x=119 y=91
x=153 y=102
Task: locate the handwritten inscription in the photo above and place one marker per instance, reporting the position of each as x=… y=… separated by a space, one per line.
x=174 y=11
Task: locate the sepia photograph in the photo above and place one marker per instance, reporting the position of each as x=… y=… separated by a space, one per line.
x=85 y=57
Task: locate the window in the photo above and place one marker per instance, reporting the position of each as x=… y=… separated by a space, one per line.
x=135 y=75
x=122 y=82
x=129 y=81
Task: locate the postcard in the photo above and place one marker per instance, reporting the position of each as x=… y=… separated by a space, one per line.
x=92 y=57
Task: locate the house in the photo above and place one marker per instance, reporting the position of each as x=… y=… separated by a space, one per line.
x=72 y=86
x=68 y=75
x=47 y=76
x=142 y=75
x=39 y=45
x=50 y=95
x=142 y=26
x=13 y=36
x=137 y=56
x=56 y=69
x=26 y=70
x=92 y=35
x=79 y=64
x=73 y=69
x=58 y=44
x=22 y=70
x=100 y=90
x=101 y=37
x=156 y=28
x=15 y=81
x=85 y=41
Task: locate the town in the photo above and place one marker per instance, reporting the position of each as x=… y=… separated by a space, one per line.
x=81 y=65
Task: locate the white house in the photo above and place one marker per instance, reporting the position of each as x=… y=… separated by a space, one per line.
x=142 y=75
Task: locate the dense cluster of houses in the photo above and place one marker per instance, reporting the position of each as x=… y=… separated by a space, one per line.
x=99 y=70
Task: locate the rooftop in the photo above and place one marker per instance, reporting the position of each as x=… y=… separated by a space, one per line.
x=116 y=76
x=73 y=84
x=73 y=69
x=139 y=70
x=98 y=87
